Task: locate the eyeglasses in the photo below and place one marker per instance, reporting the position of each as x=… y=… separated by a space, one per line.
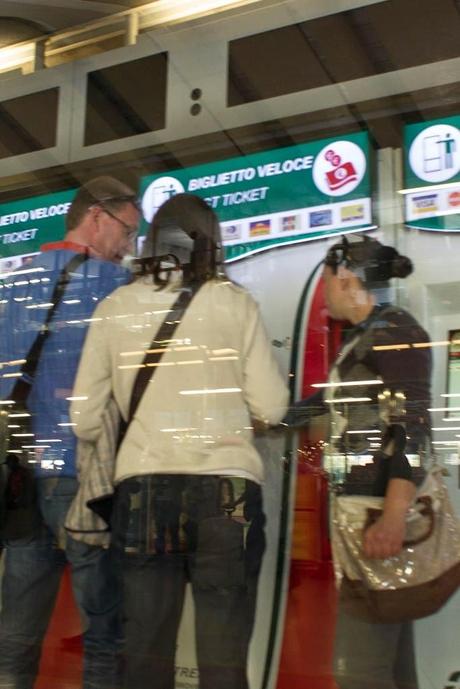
x=131 y=231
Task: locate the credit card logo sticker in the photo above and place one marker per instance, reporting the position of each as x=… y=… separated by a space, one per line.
x=320 y=218
x=352 y=212
x=230 y=232
x=428 y=203
x=454 y=199
x=290 y=223
x=339 y=168
x=259 y=228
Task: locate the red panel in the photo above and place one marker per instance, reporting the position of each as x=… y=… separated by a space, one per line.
x=61 y=662
x=307 y=649
x=316 y=356
x=306 y=657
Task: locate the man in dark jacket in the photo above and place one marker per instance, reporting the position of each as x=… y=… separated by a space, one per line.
x=102 y=224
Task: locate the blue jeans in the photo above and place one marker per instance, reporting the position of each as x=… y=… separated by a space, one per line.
x=33 y=570
x=174 y=529
x=367 y=655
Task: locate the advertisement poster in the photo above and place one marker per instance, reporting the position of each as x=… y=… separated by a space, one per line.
x=277 y=197
x=432 y=175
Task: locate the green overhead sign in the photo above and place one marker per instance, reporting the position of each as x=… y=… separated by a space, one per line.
x=263 y=200
x=27 y=224
x=279 y=196
x=432 y=175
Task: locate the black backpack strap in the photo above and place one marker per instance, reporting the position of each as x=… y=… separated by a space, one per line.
x=22 y=386
x=158 y=347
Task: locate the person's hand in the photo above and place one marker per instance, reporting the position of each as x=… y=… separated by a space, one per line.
x=385 y=537
x=260 y=427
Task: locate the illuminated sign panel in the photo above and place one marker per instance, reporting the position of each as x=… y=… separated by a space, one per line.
x=263 y=200
x=276 y=197
x=432 y=174
x=27 y=224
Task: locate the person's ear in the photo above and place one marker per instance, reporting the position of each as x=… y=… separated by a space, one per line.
x=94 y=214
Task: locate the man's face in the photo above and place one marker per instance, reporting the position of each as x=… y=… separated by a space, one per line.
x=115 y=231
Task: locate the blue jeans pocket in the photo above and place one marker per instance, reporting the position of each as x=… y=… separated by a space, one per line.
x=219 y=558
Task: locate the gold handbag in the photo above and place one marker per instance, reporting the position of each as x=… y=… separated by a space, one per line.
x=420 y=579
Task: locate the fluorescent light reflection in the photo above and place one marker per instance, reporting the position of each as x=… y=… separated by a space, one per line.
x=23 y=272
x=177 y=430
x=441 y=343
x=39 y=306
x=347 y=383
x=35 y=447
x=210 y=391
x=430 y=187
x=444 y=409
x=382 y=348
x=185 y=363
x=224 y=358
x=344 y=400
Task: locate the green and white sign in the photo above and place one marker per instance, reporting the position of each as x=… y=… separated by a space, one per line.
x=432 y=175
x=280 y=196
x=27 y=224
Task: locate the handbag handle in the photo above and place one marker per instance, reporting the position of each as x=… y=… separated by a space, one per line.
x=426 y=511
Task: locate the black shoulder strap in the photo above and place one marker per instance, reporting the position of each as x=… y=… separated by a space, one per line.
x=158 y=347
x=22 y=386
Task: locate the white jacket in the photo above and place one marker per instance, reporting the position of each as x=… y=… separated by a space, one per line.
x=195 y=415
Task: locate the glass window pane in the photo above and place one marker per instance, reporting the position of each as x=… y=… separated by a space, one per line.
x=126 y=99
x=28 y=123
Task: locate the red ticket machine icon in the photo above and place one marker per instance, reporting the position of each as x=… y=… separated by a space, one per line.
x=341 y=175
